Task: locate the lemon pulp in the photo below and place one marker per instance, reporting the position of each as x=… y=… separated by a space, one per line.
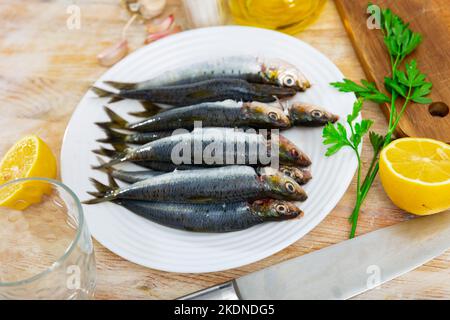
x=415 y=174
x=29 y=157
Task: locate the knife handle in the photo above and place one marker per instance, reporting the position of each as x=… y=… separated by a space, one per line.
x=224 y=291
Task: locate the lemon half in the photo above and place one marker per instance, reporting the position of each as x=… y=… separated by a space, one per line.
x=415 y=173
x=29 y=157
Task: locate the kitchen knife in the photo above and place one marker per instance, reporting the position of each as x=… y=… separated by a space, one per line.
x=346 y=269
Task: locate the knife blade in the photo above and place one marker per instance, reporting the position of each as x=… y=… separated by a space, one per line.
x=346 y=269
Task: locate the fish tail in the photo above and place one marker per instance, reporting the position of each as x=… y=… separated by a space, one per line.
x=150 y=110
x=116 y=120
x=115 y=99
x=104 y=192
x=121 y=85
x=116 y=157
x=121 y=147
x=105 y=152
x=112 y=136
x=107 y=170
x=102 y=92
x=112 y=183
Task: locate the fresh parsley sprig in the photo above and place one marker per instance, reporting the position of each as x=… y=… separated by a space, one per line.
x=400 y=40
x=337 y=136
x=408 y=84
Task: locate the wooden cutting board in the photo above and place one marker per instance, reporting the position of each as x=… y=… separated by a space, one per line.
x=432 y=19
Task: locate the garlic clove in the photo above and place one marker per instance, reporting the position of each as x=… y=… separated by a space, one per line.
x=161 y=26
x=113 y=54
x=159 y=35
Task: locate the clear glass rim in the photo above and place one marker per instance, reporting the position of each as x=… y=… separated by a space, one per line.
x=71 y=246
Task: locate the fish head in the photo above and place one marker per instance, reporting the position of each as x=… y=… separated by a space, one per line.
x=305 y=114
x=262 y=114
x=284 y=74
x=299 y=175
x=271 y=209
x=289 y=153
x=282 y=186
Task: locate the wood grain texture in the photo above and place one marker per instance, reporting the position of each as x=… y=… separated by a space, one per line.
x=47 y=68
x=432 y=20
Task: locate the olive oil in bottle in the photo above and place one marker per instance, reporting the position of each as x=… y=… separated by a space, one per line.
x=289 y=16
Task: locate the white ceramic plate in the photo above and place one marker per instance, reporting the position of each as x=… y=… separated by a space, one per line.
x=155 y=246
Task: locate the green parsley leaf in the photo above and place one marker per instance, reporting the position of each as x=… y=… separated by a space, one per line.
x=367 y=90
x=420 y=93
x=336 y=136
x=400 y=40
x=360 y=130
x=395 y=86
x=357 y=106
x=376 y=140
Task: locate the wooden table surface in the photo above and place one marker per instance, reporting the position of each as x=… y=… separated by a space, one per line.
x=45 y=70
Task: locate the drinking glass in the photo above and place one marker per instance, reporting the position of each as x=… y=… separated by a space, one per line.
x=46 y=250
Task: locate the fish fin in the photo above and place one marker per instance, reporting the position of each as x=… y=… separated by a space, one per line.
x=116 y=157
x=107 y=125
x=105 y=152
x=104 y=192
x=115 y=118
x=141 y=114
x=121 y=85
x=150 y=110
x=121 y=147
x=107 y=170
x=150 y=106
x=115 y=99
x=94 y=193
x=102 y=92
x=112 y=136
x=111 y=181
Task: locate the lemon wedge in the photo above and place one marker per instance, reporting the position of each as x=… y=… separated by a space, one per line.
x=415 y=173
x=29 y=157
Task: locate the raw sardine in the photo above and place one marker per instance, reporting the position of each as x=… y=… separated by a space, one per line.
x=218 y=114
x=250 y=68
x=300 y=175
x=204 y=91
x=215 y=146
x=223 y=184
x=223 y=217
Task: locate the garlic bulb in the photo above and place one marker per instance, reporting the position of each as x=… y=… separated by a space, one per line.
x=151 y=8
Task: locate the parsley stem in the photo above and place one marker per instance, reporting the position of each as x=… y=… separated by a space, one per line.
x=354 y=216
x=372 y=165
x=393 y=126
x=363 y=190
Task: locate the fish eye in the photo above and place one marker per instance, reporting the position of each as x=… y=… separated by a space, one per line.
x=290 y=187
x=317 y=113
x=288 y=81
x=294 y=152
x=281 y=208
x=273 y=115
x=287 y=172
